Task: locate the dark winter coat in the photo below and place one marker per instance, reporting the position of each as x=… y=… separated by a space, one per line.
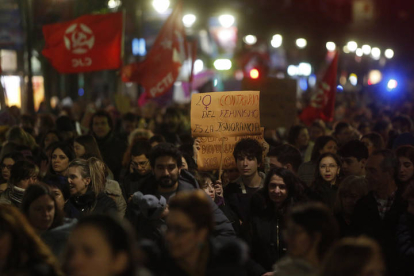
x=366 y=220
x=405 y=242
x=91 y=204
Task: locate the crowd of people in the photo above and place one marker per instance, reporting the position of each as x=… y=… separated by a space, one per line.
x=99 y=193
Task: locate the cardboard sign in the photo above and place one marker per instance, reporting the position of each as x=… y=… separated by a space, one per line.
x=225 y=114
x=277 y=101
x=209 y=155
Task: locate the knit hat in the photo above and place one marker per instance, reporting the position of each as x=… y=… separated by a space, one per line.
x=150 y=206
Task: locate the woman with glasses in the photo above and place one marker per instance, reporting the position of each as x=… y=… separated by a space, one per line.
x=6 y=164
x=327 y=178
x=22 y=175
x=188 y=238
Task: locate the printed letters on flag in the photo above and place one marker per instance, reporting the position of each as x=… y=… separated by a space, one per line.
x=158 y=72
x=88 y=43
x=322 y=103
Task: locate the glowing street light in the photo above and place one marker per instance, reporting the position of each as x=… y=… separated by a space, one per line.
x=222 y=64
x=292 y=70
x=352 y=46
x=353 y=79
x=226 y=20
x=254 y=74
x=250 y=39
x=277 y=40
x=359 y=52
x=345 y=49
x=198 y=66
x=161 y=6
x=113 y=4
x=392 y=84
x=301 y=43
x=305 y=69
x=389 y=53
x=188 y=20
x=330 y=46
x=366 y=49
x=376 y=53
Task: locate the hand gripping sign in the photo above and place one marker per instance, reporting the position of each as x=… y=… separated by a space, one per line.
x=224 y=114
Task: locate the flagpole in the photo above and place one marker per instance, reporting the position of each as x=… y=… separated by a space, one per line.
x=26 y=10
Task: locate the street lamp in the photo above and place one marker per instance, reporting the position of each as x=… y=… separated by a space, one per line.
x=222 y=64
x=226 y=20
x=188 y=20
x=113 y=4
x=277 y=40
x=301 y=43
x=330 y=46
x=250 y=39
x=359 y=52
x=352 y=46
x=366 y=49
x=161 y=6
x=376 y=53
x=389 y=53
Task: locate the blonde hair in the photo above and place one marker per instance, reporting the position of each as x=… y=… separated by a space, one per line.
x=350 y=183
x=94 y=169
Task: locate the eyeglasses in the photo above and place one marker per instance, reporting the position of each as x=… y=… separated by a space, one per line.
x=139 y=164
x=2 y=166
x=178 y=230
x=330 y=166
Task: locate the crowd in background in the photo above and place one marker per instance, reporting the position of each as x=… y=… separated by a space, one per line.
x=87 y=191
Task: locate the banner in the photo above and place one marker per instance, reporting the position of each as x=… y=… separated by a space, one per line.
x=158 y=72
x=322 y=103
x=88 y=43
x=209 y=155
x=225 y=114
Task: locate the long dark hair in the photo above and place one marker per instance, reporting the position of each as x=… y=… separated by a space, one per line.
x=262 y=203
x=67 y=150
x=35 y=191
x=90 y=145
x=26 y=245
x=319 y=144
x=318 y=177
x=118 y=235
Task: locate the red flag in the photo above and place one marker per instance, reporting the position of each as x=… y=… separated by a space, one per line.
x=158 y=72
x=88 y=43
x=322 y=103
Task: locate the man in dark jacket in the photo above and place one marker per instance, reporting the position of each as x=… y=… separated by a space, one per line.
x=248 y=155
x=112 y=148
x=377 y=213
x=168 y=179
